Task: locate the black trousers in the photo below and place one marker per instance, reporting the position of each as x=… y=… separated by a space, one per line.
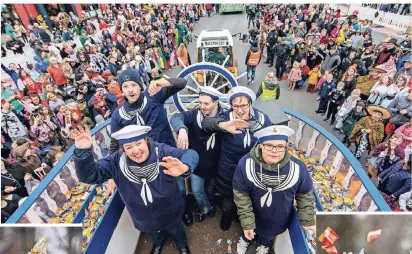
x=332 y=110
x=323 y=105
x=280 y=67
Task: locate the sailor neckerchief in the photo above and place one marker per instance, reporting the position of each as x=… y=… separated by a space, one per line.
x=210 y=144
x=141 y=175
x=270 y=183
x=260 y=121
x=130 y=114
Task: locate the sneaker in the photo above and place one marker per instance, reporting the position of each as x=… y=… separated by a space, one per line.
x=185 y=250
x=326 y=119
x=242 y=246
x=253 y=81
x=200 y=216
x=262 y=250
x=157 y=249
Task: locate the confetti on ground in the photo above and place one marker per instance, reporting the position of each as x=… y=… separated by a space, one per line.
x=373 y=235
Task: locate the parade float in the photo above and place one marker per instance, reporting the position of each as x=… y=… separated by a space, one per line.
x=340 y=182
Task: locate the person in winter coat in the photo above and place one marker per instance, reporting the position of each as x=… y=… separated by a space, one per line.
x=294 y=75
x=401 y=108
x=388 y=51
x=385 y=155
x=282 y=52
x=347 y=106
x=35 y=44
x=336 y=99
x=331 y=62
x=351 y=119
x=40 y=64
x=44 y=36
x=14 y=45
x=314 y=76
x=397 y=179
x=325 y=91
x=159 y=207
x=252 y=61
x=11 y=122
x=266 y=177
x=269 y=89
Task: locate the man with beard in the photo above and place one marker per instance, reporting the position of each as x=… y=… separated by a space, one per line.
x=147 y=108
x=236 y=128
x=389 y=50
x=188 y=126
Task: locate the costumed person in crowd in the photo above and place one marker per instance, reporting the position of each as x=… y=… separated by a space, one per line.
x=266 y=183
x=236 y=128
x=147 y=108
x=269 y=89
x=146 y=167
x=369 y=130
x=188 y=127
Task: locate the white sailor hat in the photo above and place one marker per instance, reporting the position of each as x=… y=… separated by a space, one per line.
x=210 y=91
x=241 y=91
x=274 y=132
x=131 y=133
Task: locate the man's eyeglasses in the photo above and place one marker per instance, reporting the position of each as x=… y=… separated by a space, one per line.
x=243 y=107
x=269 y=147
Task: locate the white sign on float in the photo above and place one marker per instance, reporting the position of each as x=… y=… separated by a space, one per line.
x=210 y=44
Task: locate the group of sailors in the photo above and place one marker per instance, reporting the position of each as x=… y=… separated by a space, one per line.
x=236 y=153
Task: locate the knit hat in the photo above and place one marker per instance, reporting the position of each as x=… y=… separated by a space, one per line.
x=130 y=75
x=79 y=76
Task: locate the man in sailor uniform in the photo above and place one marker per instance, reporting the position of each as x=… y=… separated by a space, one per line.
x=147 y=108
x=236 y=127
x=266 y=183
x=188 y=126
x=144 y=172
